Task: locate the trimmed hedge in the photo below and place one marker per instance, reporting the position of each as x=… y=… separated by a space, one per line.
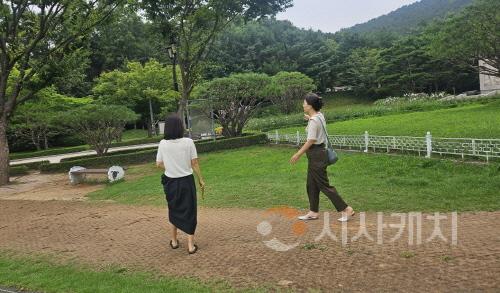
x=150 y=155
x=50 y=152
x=18 y=170
x=24 y=169
x=61 y=151
x=105 y=161
x=34 y=165
x=72 y=159
x=137 y=141
x=231 y=143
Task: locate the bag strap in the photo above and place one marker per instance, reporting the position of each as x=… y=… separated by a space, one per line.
x=328 y=142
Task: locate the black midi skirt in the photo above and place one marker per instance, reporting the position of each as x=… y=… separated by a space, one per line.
x=181 y=199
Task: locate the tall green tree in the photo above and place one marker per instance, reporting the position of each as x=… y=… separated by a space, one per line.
x=287 y=88
x=145 y=89
x=470 y=36
x=362 y=71
x=126 y=36
x=194 y=25
x=409 y=66
x=39 y=121
x=235 y=99
x=33 y=36
x=270 y=46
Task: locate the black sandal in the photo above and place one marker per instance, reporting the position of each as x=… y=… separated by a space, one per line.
x=193 y=251
x=172 y=245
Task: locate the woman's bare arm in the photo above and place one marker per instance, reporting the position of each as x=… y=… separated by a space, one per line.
x=302 y=150
x=196 y=169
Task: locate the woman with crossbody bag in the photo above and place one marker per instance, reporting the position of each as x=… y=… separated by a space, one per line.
x=319 y=157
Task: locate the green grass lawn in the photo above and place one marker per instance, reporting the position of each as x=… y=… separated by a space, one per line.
x=343 y=101
x=470 y=121
x=40 y=274
x=261 y=177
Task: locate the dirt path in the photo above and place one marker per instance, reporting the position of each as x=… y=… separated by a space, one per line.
x=233 y=248
x=43 y=187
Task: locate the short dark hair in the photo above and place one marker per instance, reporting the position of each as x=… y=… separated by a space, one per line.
x=174 y=128
x=314 y=101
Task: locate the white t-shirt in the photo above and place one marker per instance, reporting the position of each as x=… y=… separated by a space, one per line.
x=176 y=156
x=315 y=129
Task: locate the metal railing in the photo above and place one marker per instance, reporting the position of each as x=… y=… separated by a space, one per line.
x=428 y=145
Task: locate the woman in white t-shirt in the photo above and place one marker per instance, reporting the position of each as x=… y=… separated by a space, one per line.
x=178 y=156
x=315 y=149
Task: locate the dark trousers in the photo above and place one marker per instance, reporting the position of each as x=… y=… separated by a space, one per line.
x=317 y=179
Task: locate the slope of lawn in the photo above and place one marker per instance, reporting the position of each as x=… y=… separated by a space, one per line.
x=470 y=121
x=261 y=177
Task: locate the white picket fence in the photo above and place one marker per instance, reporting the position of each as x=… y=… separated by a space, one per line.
x=427 y=145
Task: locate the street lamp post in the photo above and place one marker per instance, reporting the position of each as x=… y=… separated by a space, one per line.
x=172 y=53
x=153 y=126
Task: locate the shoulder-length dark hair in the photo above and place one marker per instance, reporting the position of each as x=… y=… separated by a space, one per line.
x=174 y=128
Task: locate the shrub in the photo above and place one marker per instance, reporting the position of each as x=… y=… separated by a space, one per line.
x=99 y=125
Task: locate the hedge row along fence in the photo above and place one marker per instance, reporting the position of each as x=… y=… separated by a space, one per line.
x=61 y=151
x=50 y=152
x=19 y=170
x=25 y=168
x=150 y=155
x=72 y=159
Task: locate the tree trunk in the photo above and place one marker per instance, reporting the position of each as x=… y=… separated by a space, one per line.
x=46 y=141
x=4 y=152
x=35 y=140
x=150 y=131
x=181 y=111
x=99 y=148
x=187 y=87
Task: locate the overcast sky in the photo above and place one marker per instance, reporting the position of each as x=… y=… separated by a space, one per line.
x=332 y=15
